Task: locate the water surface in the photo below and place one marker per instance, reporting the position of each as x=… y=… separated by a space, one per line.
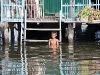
x=38 y=59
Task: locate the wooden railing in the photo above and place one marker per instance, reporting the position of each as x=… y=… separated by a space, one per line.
x=65 y=9
x=34 y=10
x=12 y=11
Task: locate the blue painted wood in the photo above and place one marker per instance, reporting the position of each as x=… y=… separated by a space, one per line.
x=8 y=13
x=12 y=12
x=66 y=7
x=0 y=10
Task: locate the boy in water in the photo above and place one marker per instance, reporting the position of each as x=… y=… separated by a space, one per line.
x=53 y=42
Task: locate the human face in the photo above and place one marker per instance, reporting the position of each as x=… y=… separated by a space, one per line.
x=53 y=35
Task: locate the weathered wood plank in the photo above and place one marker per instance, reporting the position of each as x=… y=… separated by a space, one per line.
x=28 y=40
x=36 y=40
x=42 y=29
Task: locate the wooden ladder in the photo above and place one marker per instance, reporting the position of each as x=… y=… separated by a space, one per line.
x=42 y=29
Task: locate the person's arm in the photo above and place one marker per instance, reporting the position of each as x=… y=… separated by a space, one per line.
x=57 y=42
x=49 y=42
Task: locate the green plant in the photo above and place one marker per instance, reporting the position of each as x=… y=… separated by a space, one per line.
x=90 y=13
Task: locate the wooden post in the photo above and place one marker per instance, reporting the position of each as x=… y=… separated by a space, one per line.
x=25 y=29
x=6 y=57
x=70 y=25
x=9 y=35
x=70 y=34
x=5 y=33
x=16 y=33
x=19 y=29
x=6 y=48
x=12 y=32
x=22 y=62
x=2 y=32
x=71 y=9
x=71 y=51
x=66 y=32
x=60 y=34
x=25 y=58
x=21 y=34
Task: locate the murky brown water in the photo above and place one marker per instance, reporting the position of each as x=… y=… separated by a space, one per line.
x=38 y=59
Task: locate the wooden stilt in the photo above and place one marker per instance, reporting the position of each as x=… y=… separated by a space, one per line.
x=9 y=35
x=70 y=34
x=16 y=33
x=66 y=32
x=22 y=65
x=12 y=34
x=25 y=29
x=6 y=36
x=3 y=39
x=25 y=58
x=5 y=33
x=21 y=34
x=6 y=48
x=19 y=30
x=60 y=34
x=70 y=25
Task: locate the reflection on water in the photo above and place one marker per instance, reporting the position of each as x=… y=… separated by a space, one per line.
x=80 y=59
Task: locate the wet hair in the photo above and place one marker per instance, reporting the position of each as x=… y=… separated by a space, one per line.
x=54 y=32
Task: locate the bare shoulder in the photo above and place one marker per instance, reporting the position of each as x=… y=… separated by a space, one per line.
x=50 y=39
x=57 y=40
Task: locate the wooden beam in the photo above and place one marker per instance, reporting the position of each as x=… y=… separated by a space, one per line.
x=36 y=40
x=40 y=29
x=28 y=40
x=42 y=21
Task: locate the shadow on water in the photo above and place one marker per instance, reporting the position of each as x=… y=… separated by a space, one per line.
x=80 y=59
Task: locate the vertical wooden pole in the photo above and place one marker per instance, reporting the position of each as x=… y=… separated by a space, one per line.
x=96 y=3
x=71 y=51
x=3 y=39
x=6 y=58
x=60 y=65
x=70 y=33
x=89 y=3
x=12 y=32
x=19 y=29
x=9 y=35
x=61 y=4
x=60 y=35
x=1 y=10
x=21 y=34
x=22 y=65
x=31 y=7
x=6 y=48
x=70 y=25
x=25 y=29
x=6 y=34
x=71 y=9
x=25 y=56
x=43 y=8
